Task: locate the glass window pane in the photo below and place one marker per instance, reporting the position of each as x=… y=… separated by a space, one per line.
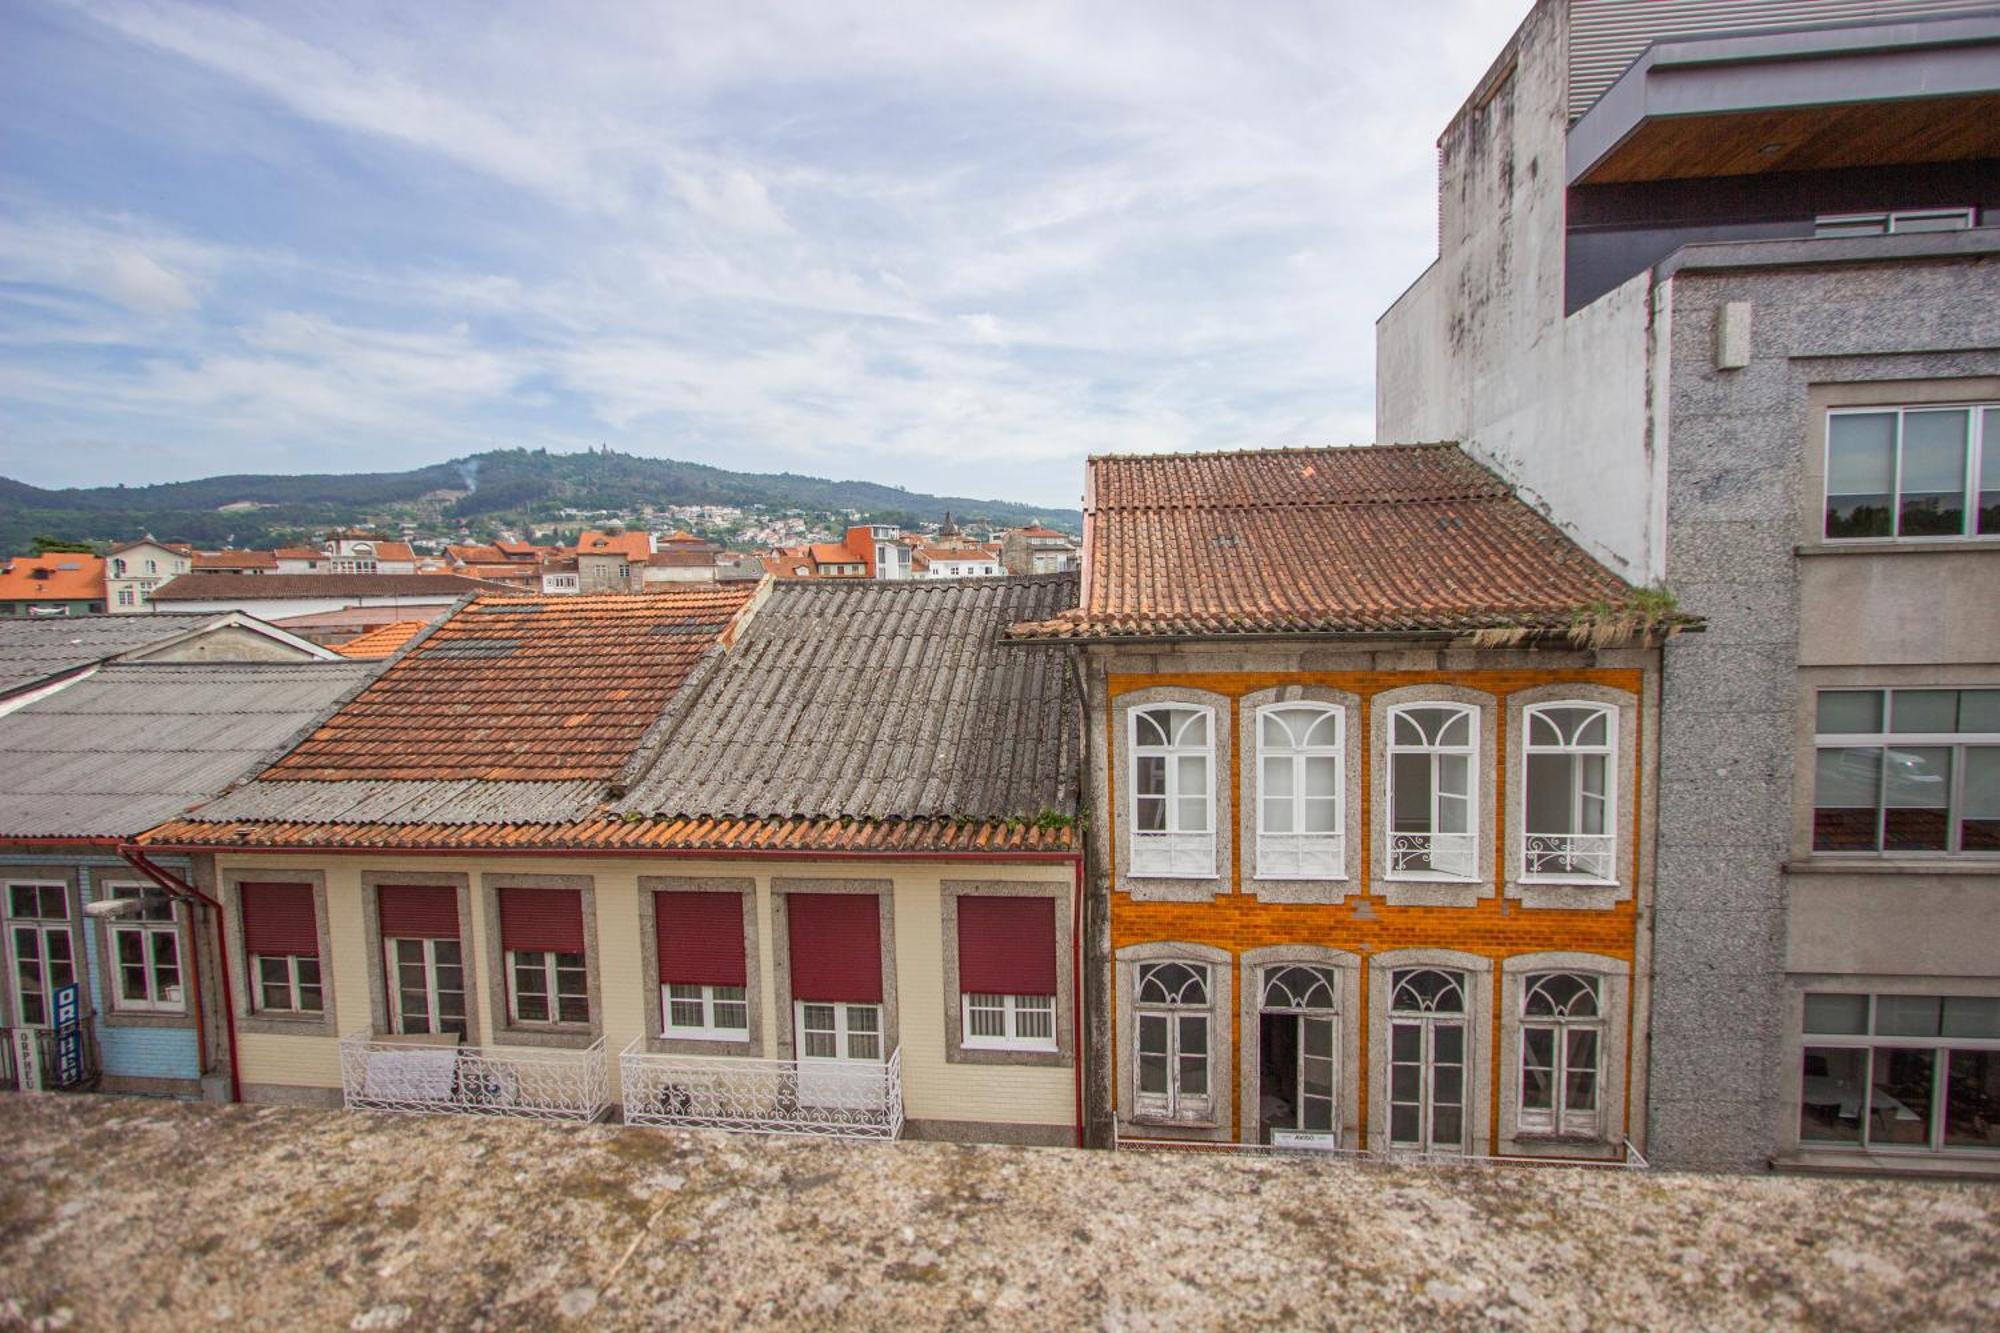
x=1322 y=816
x=1278 y=815
x=1148 y=729
x=1899 y=1099
x=1971 y=1016
x=1846 y=789
x=1989 y=473
x=1448 y=1043
x=1934 y=445
x=1860 y=473
x=1847 y=1014
x=1979 y=805
x=1916 y=792
x=1411 y=774
x=1979 y=710
x=1322 y=775
x=1850 y=712
x=1551 y=789
x=1152 y=1034
x=1150 y=779
x=1923 y=710
x=1907 y=1015
x=1831 y=1096
x=1972 y=1100
x=1278 y=775
x=1194 y=730
x=1152 y=814
x=1193 y=814
x=1325 y=730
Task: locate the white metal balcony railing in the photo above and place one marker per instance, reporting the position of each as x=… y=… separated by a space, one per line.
x=1189 y=855
x=830 y=1098
x=398 y=1074
x=1301 y=855
x=1451 y=854
x=1574 y=855
x=1327 y=1147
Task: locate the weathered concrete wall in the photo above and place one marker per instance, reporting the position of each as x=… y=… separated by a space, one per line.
x=231 y=643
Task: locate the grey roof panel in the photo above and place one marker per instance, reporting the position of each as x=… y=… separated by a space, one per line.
x=37 y=648
x=462 y=801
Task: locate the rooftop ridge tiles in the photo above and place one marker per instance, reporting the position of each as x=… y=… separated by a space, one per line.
x=1260 y=451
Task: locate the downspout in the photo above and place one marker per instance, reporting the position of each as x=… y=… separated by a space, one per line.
x=1076 y=994
x=180 y=888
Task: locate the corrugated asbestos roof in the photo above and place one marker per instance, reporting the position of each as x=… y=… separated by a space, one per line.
x=1382 y=539
x=844 y=836
x=137 y=743
x=876 y=700
x=275 y=587
x=38 y=648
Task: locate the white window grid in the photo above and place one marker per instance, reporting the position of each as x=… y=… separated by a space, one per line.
x=1431 y=853
x=1177 y=850
x=1171 y=1023
x=1566 y=1010
x=42 y=947
x=558 y=984
x=1290 y=736
x=830 y=1030
x=1981 y=475
x=1430 y=1065
x=1566 y=727
x=1876 y=1117
x=1308 y=991
x=704 y=1013
x=1897 y=748
x=288 y=983
x=1008 y=1022
x=437 y=966
x=146 y=954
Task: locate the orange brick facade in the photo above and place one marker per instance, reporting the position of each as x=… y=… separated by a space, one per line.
x=1365 y=923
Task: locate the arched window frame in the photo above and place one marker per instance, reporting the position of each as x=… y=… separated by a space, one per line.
x=1414 y=854
x=1172 y=852
x=1167 y=1024
x=1574 y=857
x=1295 y=853
x=1560 y=1055
x=1602 y=1133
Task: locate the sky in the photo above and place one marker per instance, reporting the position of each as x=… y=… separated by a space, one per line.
x=955 y=247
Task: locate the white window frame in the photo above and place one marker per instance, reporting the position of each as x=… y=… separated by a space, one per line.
x=551 y=977
x=1275 y=996
x=1885 y=742
x=1173 y=1104
x=43 y=928
x=294 y=983
x=843 y=1029
x=394 y=981
x=1012 y=1009
x=1285 y=855
x=1465 y=844
x=1558 y=1118
x=145 y=931
x=1596 y=853
x=1934 y=1145
x=1976 y=445
x=1888 y=220
x=1427 y=1022
x=708 y=998
x=125 y=597
x=1171 y=852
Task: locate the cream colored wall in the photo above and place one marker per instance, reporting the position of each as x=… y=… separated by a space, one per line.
x=932 y=1088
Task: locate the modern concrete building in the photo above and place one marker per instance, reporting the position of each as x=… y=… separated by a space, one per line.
x=1717 y=287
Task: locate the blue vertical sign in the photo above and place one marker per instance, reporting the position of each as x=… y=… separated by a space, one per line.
x=69 y=1036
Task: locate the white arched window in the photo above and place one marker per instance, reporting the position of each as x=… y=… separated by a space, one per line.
x=1301 y=772
x=1567 y=804
x=1433 y=804
x=1173 y=791
x=1427 y=1060
x=1562 y=1044
x=1172 y=1018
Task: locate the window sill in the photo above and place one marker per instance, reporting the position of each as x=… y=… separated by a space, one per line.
x=1567 y=882
x=1897 y=545
x=712 y=1038
x=1860 y=1161
x=572 y=1038
x=1154 y=1121
x=1428 y=877
x=988 y=1046
x=1943 y=864
x=146 y=1018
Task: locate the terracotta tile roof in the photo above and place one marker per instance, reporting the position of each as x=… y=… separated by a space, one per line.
x=475 y=555
x=287 y=587
x=213 y=560
x=634 y=545
x=383 y=642
x=849 y=836
x=300 y=553
x=394 y=551
x=522 y=689
x=57 y=577
x=833 y=553
x=1382 y=539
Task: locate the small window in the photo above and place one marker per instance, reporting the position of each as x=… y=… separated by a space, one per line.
x=1007 y=972
x=705 y=1012
x=1897 y=222
x=1433 y=804
x=1562 y=1050
x=288 y=983
x=1913 y=472
x=146 y=951
x=1173 y=793
x=1901 y=1073
x=704 y=978
x=1570 y=762
x=281 y=935
x=1301 y=779
x=1172 y=1026
x=1010 y=1022
x=43 y=949
x=1899 y=771
x=547 y=987
x=429 y=991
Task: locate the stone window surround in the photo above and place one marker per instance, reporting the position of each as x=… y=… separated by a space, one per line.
x=781 y=953
x=505 y=1030
x=1614 y=1006
x=1347 y=968
x=371 y=931
x=649 y=963
x=1557 y=894
x=1822 y=397
x=1353 y=736
x=109 y=1013
x=1058 y=892
x=1223 y=710
x=1478 y=970
x=1429 y=892
x=1221 y=1126
x=249 y=1018
x=72 y=900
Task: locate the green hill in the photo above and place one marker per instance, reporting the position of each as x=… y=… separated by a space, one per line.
x=504 y=486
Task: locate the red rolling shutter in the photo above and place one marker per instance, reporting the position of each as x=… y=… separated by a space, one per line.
x=700 y=938
x=1007 y=946
x=541 y=920
x=418 y=911
x=278 y=919
x=836 y=941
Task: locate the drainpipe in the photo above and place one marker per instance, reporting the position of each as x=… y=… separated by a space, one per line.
x=180 y=888
x=1076 y=993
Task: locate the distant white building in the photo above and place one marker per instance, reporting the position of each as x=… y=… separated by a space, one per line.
x=135 y=569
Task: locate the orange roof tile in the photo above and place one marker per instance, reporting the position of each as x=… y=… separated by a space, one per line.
x=522 y=688
x=636 y=545
x=58 y=577
x=1374 y=540
x=383 y=642
x=207 y=561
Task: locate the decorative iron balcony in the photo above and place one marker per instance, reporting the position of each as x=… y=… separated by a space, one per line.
x=1450 y=855
x=396 y=1074
x=1571 y=855
x=828 y=1098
